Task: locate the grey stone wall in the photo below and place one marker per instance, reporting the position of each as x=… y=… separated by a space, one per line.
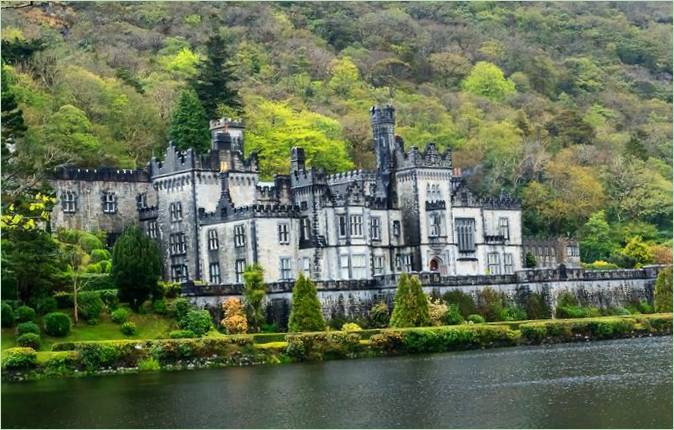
x=353 y=299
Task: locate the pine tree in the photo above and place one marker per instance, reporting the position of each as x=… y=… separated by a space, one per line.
x=305 y=314
x=410 y=307
x=214 y=79
x=136 y=267
x=189 y=124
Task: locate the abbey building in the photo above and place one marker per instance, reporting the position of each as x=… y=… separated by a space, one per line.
x=211 y=215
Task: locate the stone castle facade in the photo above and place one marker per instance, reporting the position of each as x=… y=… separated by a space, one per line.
x=211 y=215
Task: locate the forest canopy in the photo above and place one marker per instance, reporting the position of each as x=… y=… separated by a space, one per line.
x=566 y=105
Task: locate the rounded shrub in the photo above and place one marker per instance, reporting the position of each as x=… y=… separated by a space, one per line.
x=379 y=315
x=7 y=315
x=453 y=315
x=46 y=305
x=89 y=305
x=120 y=315
x=100 y=255
x=57 y=324
x=181 y=334
x=25 y=313
x=159 y=307
x=27 y=327
x=129 y=328
x=19 y=358
x=351 y=327
x=29 y=340
x=198 y=322
x=475 y=318
x=182 y=307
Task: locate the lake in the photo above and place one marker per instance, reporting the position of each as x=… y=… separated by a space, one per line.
x=621 y=383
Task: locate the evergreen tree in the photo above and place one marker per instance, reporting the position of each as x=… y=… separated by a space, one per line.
x=410 y=307
x=595 y=242
x=305 y=314
x=136 y=267
x=663 y=291
x=189 y=124
x=254 y=292
x=214 y=79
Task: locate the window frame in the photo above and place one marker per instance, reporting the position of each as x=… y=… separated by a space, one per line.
x=239 y=269
x=378 y=264
x=69 y=201
x=176 y=211
x=508 y=263
x=283 y=229
x=109 y=202
x=214 y=273
x=152 y=229
x=239 y=235
x=494 y=262
x=465 y=234
x=356 y=225
x=375 y=228
x=213 y=242
x=504 y=227
x=285 y=268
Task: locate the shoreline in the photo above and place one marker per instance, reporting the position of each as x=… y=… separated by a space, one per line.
x=97 y=358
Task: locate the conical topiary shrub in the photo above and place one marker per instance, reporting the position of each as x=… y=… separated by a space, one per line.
x=305 y=314
x=410 y=308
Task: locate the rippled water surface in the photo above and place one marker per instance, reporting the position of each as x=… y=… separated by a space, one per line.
x=624 y=383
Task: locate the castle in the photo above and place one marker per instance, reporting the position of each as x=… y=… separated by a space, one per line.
x=211 y=215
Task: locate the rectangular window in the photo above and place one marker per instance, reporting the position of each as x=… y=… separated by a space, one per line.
x=341 y=221
x=214 y=273
x=396 y=228
x=239 y=235
x=358 y=266
x=179 y=272
x=141 y=200
x=306 y=266
x=286 y=269
x=109 y=203
x=240 y=267
x=152 y=230
x=494 y=264
x=465 y=233
x=375 y=228
x=344 y=266
x=508 y=263
x=213 y=240
x=434 y=225
x=407 y=262
x=177 y=244
x=69 y=201
x=283 y=233
x=176 y=211
x=504 y=228
x=305 y=225
x=378 y=265
x=356 y=225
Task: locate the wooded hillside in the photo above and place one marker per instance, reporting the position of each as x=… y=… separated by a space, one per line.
x=566 y=105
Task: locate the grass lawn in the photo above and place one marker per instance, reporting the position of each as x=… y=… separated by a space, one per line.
x=149 y=326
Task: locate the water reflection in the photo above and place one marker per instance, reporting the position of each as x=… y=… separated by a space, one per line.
x=626 y=383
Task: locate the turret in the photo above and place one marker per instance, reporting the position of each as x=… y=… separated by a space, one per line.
x=383 y=132
x=223 y=127
x=297 y=159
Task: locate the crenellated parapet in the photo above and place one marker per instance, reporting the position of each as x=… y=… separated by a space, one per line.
x=174 y=161
x=224 y=213
x=430 y=157
x=148 y=213
x=103 y=174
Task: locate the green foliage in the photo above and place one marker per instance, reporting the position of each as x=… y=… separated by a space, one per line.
x=512 y=313
x=637 y=253
x=410 y=307
x=198 y=322
x=24 y=313
x=182 y=334
x=464 y=301
x=27 y=327
x=537 y=307
x=159 y=307
x=170 y=289
x=487 y=80
x=45 y=305
x=275 y=128
x=189 y=124
x=7 y=315
x=305 y=313
x=453 y=315
x=182 y=307
x=600 y=265
x=148 y=364
x=378 y=315
x=136 y=266
x=90 y=305
x=490 y=304
x=530 y=261
x=476 y=318
x=19 y=358
x=215 y=79
x=254 y=292
x=351 y=327
x=663 y=291
x=29 y=340
x=129 y=328
x=568 y=307
x=595 y=328
x=119 y=316
x=319 y=346
x=57 y=324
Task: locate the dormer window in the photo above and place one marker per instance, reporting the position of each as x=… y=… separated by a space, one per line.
x=69 y=201
x=109 y=202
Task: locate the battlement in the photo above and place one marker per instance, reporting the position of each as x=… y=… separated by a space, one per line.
x=349 y=176
x=246 y=212
x=225 y=123
x=382 y=114
x=148 y=213
x=174 y=161
x=103 y=174
x=429 y=157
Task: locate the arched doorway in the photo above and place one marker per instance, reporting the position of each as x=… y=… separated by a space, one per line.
x=434 y=265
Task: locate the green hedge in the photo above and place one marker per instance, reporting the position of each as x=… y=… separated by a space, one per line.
x=19 y=358
x=323 y=345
